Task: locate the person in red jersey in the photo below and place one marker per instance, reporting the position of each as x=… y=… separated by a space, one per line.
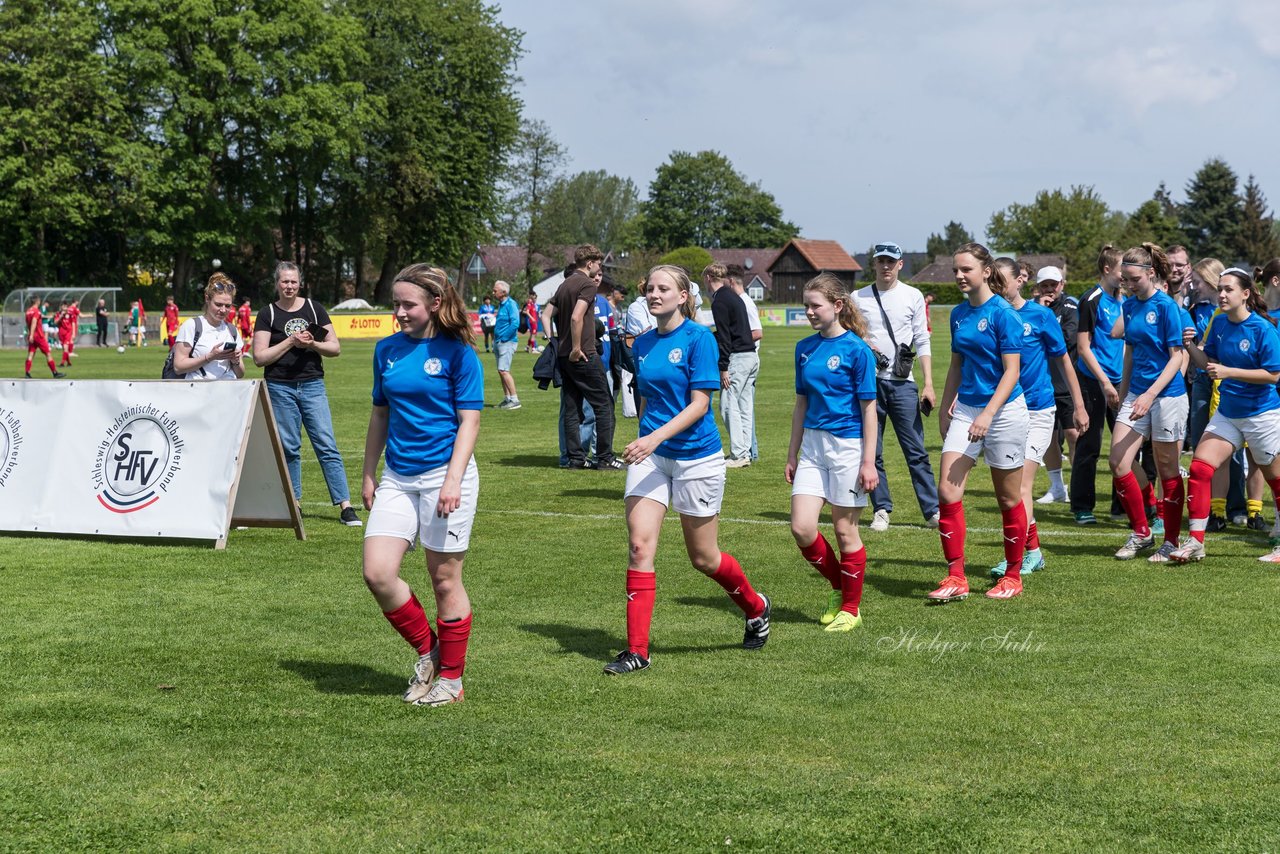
x=170 y=320
x=74 y=309
x=65 y=322
x=36 y=339
x=245 y=318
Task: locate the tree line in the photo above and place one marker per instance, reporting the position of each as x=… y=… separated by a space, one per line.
x=1218 y=218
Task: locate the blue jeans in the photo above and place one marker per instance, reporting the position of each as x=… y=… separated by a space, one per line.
x=305 y=404
x=899 y=402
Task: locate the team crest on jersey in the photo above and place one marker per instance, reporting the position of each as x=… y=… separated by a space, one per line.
x=675 y=356
x=137 y=459
x=833 y=363
x=433 y=366
x=294 y=325
x=10 y=442
x=1151 y=317
x=1244 y=345
x=982 y=325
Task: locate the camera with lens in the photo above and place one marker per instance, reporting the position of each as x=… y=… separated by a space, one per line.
x=882 y=361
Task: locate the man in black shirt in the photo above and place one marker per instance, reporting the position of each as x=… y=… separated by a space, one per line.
x=582 y=373
x=739 y=363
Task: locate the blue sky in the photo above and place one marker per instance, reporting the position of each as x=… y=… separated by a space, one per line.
x=882 y=121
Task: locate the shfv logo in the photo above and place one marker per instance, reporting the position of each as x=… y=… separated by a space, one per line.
x=10 y=442
x=137 y=460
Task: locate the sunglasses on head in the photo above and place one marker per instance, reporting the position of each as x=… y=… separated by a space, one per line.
x=888 y=247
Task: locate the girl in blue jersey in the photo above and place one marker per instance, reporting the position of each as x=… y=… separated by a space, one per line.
x=678 y=461
x=1099 y=363
x=428 y=390
x=1154 y=398
x=982 y=411
x=1041 y=341
x=1242 y=350
x=827 y=460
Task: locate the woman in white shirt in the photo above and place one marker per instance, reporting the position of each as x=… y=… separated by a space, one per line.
x=208 y=347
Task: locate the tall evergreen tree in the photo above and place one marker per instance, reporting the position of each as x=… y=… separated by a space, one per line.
x=1257 y=242
x=954 y=235
x=1212 y=213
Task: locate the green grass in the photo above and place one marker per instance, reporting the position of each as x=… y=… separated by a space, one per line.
x=160 y=697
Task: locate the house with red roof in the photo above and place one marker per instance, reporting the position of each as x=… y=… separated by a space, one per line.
x=800 y=260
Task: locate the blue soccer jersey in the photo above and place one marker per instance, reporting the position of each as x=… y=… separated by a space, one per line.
x=668 y=368
x=1099 y=312
x=1041 y=341
x=424 y=382
x=604 y=314
x=1151 y=327
x=1250 y=344
x=982 y=336
x=835 y=374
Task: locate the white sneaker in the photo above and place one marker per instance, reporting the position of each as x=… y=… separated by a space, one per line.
x=1163 y=554
x=1190 y=551
x=441 y=694
x=880 y=521
x=1271 y=557
x=932 y=521
x=1052 y=497
x=1135 y=544
x=737 y=463
x=423 y=674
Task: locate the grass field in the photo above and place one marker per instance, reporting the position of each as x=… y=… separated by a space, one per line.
x=161 y=697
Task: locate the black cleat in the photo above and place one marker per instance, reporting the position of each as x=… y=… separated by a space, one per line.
x=614 y=464
x=57 y=375
x=1257 y=523
x=1216 y=523
x=757 y=633
x=626 y=662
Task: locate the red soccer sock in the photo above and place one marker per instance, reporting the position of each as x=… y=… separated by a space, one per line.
x=53 y=369
x=1015 y=546
x=853 y=571
x=1149 y=497
x=1199 y=498
x=28 y=367
x=951 y=530
x=1130 y=495
x=1033 y=536
x=823 y=559
x=1173 y=498
x=412 y=624
x=454 y=635
x=640 y=596
x=734 y=581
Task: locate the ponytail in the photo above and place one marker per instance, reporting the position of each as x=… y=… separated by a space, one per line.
x=1149 y=255
x=1109 y=257
x=834 y=291
x=996 y=281
x=451 y=318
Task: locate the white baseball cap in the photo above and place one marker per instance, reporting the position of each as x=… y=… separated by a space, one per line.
x=1048 y=274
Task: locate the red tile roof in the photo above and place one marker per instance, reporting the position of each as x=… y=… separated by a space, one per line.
x=761 y=260
x=824 y=255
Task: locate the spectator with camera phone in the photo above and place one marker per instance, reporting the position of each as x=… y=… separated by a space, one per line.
x=898 y=332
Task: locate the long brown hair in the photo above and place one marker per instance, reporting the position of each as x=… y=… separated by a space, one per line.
x=996 y=282
x=681 y=278
x=833 y=290
x=1254 y=301
x=451 y=318
x=1108 y=257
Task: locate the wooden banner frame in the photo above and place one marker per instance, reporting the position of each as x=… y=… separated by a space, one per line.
x=244 y=510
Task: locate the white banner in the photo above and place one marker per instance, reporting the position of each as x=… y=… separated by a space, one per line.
x=140 y=459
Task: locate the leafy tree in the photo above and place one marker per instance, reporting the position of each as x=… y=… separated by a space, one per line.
x=1213 y=210
x=593 y=207
x=1073 y=223
x=1152 y=221
x=692 y=258
x=955 y=234
x=701 y=200
x=1256 y=243
x=59 y=144
x=531 y=172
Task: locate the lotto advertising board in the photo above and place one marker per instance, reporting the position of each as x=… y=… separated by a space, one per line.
x=155 y=459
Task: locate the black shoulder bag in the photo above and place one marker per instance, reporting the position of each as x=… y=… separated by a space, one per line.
x=903 y=356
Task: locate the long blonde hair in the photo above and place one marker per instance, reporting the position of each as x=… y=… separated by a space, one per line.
x=451 y=318
x=833 y=290
x=681 y=278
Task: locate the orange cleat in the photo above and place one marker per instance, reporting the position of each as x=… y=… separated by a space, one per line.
x=950 y=589
x=1006 y=588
